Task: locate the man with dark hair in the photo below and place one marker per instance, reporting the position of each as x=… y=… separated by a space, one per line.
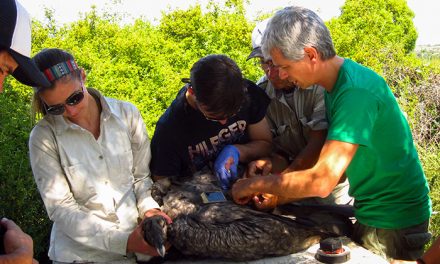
x=216 y=120
x=15 y=50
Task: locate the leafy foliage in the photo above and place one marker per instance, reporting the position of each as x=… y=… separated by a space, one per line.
x=374 y=32
x=143 y=63
x=19 y=198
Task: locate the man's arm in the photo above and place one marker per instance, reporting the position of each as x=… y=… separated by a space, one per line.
x=260 y=144
x=304 y=160
x=310 y=153
x=317 y=181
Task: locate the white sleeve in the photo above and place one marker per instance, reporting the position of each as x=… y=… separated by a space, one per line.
x=140 y=145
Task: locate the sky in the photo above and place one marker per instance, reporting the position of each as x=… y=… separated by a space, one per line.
x=427 y=18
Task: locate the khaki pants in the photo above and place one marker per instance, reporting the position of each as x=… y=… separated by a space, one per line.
x=406 y=244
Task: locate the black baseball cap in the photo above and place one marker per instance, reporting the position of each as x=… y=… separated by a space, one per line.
x=15 y=38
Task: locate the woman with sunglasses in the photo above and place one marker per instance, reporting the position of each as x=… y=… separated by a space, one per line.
x=89 y=156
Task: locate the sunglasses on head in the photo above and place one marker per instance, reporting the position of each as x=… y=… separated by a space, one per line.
x=74 y=99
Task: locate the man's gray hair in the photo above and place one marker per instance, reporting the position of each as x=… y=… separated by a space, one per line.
x=292 y=29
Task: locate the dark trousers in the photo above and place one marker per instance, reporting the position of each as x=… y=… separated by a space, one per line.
x=405 y=244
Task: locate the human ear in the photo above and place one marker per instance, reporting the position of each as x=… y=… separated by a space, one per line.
x=312 y=53
x=83 y=75
x=190 y=90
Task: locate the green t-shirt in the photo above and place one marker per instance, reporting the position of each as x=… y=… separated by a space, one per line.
x=385 y=175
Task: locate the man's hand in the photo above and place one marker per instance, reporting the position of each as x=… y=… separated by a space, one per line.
x=225 y=166
x=261 y=167
x=241 y=192
x=265 y=201
x=18 y=245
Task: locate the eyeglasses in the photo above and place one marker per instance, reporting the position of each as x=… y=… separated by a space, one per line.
x=216 y=119
x=267 y=65
x=74 y=99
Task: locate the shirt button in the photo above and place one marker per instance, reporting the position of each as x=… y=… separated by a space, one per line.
x=101 y=157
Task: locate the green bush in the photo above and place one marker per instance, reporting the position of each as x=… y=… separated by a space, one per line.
x=372 y=32
x=143 y=63
x=19 y=198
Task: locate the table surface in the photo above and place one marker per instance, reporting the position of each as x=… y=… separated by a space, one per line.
x=358 y=255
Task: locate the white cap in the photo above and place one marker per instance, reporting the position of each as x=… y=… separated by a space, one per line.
x=257 y=36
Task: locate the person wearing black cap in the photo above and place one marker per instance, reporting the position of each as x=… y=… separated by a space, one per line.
x=15 y=46
x=15 y=49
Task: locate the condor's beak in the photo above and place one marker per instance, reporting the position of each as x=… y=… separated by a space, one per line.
x=161 y=251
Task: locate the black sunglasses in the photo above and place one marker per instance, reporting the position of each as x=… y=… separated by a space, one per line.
x=74 y=99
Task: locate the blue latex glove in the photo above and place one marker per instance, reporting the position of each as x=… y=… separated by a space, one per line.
x=225 y=166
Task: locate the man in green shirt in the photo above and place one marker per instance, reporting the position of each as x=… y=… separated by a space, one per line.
x=368 y=138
